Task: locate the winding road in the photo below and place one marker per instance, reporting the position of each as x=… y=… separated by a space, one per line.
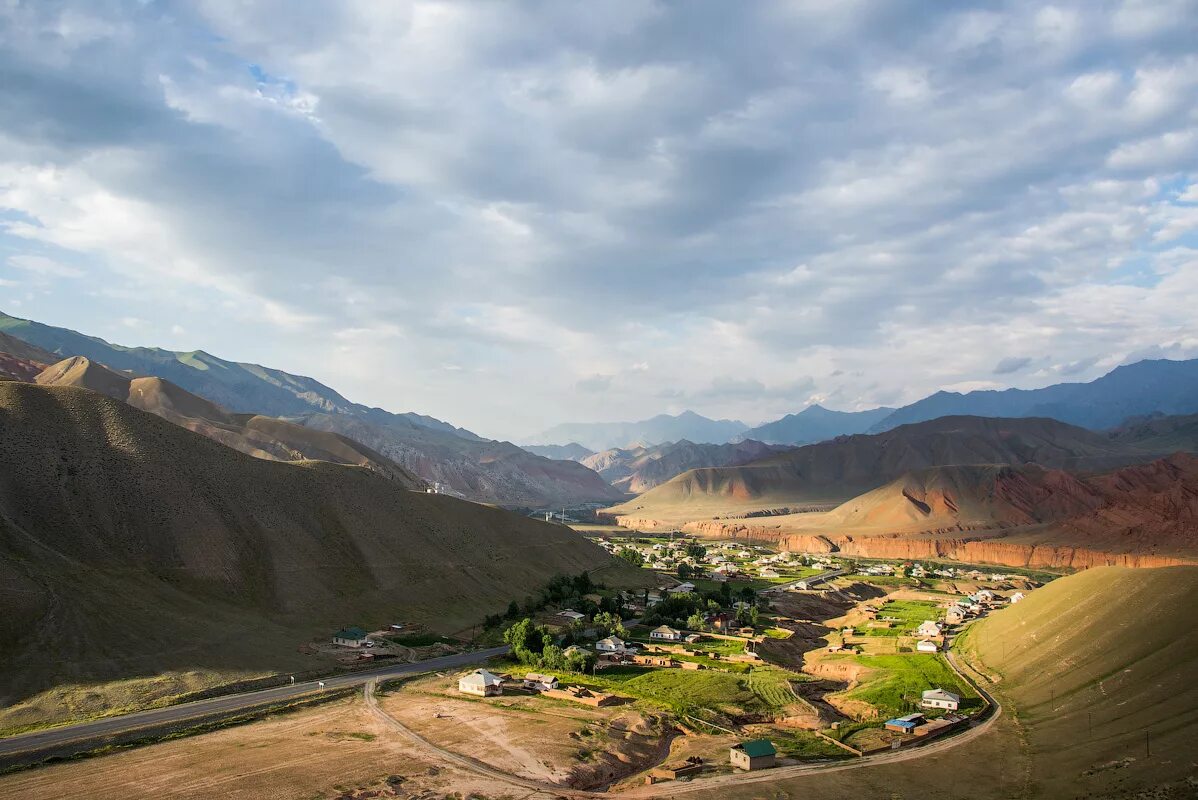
x=675 y=789
x=225 y=705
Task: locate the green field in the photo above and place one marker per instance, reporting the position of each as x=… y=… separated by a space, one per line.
x=895 y=682
x=707 y=694
x=908 y=615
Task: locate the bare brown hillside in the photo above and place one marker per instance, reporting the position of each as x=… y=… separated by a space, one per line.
x=834 y=471
x=1142 y=515
x=20 y=361
x=262 y=437
x=130 y=547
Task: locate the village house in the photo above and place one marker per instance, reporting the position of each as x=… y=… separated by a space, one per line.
x=906 y=724
x=722 y=622
x=954 y=615
x=939 y=698
x=352 y=636
x=540 y=683
x=654 y=661
x=754 y=755
x=666 y=633
x=692 y=638
x=928 y=628
x=1015 y=598
x=682 y=588
x=481 y=683
x=927 y=646
x=571 y=615
x=613 y=644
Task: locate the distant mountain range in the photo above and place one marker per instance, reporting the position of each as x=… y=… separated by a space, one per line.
x=815 y=424
x=570 y=452
x=598 y=436
x=1159 y=387
x=1146 y=387
x=638 y=469
x=455 y=459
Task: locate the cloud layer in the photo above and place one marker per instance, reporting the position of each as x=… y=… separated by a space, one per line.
x=510 y=215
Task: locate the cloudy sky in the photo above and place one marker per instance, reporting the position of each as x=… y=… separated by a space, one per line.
x=510 y=215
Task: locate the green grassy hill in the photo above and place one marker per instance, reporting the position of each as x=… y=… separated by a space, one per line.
x=131 y=548
x=1100 y=668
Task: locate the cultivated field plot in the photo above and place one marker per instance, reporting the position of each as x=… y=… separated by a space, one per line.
x=893 y=684
x=904 y=617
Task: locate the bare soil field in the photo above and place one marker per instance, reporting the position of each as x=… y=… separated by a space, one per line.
x=531 y=736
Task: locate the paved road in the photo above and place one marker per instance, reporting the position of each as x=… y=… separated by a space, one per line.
x=225 y=705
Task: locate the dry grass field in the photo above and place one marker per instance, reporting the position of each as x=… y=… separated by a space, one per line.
x=322 y=752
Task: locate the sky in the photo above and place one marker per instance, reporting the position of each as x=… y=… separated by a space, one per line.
x=514 y=214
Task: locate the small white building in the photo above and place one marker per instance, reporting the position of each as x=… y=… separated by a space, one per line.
x=612 y=644
x=571 y=615
x=666 y=633
x=682 y=588
x=1015 y=598
x=481 y=683
x=928 y=628
x=938 y=698
x=927 y=646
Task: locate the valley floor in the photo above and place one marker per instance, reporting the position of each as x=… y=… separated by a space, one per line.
x=1076 y=703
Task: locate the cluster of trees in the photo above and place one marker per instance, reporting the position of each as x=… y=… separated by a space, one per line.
x=631 y=555
x=687 y=608
x=536 y=646
x=563 y=591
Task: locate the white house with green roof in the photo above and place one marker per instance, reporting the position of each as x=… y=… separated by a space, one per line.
x=352 y=636
x=753 y=755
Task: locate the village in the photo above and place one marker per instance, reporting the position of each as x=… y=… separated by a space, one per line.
x=733 y=658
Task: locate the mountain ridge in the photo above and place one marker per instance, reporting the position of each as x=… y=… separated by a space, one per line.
x=1144 y=387
x=455 y=459
x=816 y=424
x=132 y=549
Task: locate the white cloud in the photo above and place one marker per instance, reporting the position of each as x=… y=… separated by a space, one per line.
x=41 y=265
x=501 y=202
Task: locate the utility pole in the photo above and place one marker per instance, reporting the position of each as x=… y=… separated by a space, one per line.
x=1147 y=746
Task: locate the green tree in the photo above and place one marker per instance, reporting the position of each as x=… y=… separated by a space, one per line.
x=610 y=624
x=695 y=622
x=632 y=556
x=684 y=571
x=696 y=551
x=513 y=610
